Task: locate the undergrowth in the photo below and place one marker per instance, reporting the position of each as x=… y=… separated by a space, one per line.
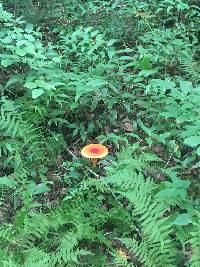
x=122 y=73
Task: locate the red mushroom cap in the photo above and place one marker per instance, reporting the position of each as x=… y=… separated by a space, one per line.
x=94 y=151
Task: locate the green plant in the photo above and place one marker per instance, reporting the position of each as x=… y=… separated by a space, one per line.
x=117 y=72
x=135 y=209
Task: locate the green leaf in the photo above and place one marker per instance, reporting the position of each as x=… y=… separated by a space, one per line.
x=111 y=42
x=56 y=59
x=125 y=58
x=29 y=37
x=67 y=197
x=111 y=52
x=96 y=83
x=6 y=181
x=6 y=40
x=7 y=62
x=42 y=83
x=166 y=193
x=29 y=27
x=82 y=132
x=9 y=147
x=17 y=162
x=80 y=91
x=20 y=52
x=186 y=86
x=192 y=141
x=35 y=189
x=145 y=63
x=30 y=85
x=30 y=49
x=198 y=151
x=183 y=219
x=180 y=183
x=37 y=92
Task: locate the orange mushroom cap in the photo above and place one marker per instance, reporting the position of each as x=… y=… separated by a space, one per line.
x=94 y=151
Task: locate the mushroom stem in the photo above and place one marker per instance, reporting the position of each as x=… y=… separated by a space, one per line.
x=94 y=162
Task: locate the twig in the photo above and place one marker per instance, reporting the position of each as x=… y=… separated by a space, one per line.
x=169 y=160
x=72 y=154
x=98 y=176
x=75 y=142
x=166 y=164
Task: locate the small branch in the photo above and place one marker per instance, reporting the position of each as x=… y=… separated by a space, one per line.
x=72 y=154
x=98 y=176
x=166 y=164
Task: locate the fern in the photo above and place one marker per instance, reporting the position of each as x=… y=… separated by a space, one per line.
x=149 y=253
x=80 y=222
x=36 y=257
x=121 y=260
x=148 y=212
x=191 y=67
x=194 y=242
x=19 y=137
x=67 y=225
x=7 y=182
x=8 y=190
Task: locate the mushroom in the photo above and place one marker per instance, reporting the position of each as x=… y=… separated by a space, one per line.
x=94 y=152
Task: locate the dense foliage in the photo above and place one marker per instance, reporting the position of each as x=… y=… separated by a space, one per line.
x=124 y=73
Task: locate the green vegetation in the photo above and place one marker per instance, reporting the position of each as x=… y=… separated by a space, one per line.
x=123 y=73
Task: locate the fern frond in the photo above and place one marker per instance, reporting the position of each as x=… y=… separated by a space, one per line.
x=194 y=242
x=7 y=181
x=67 y=251
x=148 y=253
x=19 y=135
x=148 y=212
x=191 y=67
x=36 y=257
x=6 y=232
